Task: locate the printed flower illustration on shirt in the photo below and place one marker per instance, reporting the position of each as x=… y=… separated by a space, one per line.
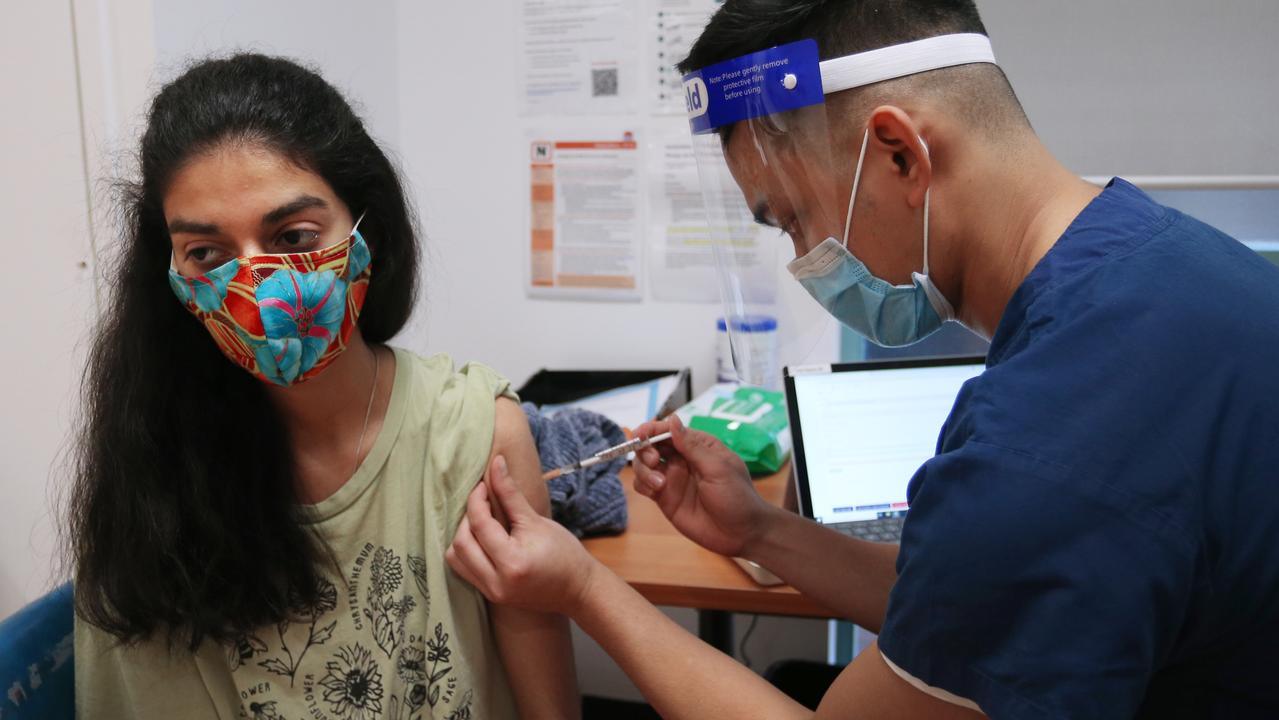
x=326 y=599
x=437 y=654
x=417 y=566
x=242 y=650
x=463 y=710
x=384 y=611
x=301 y=315
x=265 y=711
x=353 y=684
x=411 y=667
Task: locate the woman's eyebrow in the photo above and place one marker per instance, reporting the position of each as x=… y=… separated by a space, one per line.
x=178 y=225
x=301 y=203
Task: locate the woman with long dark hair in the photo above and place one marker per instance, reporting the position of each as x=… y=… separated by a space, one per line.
x=264 y=490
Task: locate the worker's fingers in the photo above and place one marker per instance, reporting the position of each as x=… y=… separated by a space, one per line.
x=675 y=490
x=508 y=494
x=651 y=428
x=454 y=562
x=665 y=448
x=475 y=565
x=492 y=538
x=648 y=480
x=703 y=452
x=478 y=501
x=450 y=557
x=679 y=435
x=683 y=441
x=649 y=456
x=495 y=508
x=675 y=466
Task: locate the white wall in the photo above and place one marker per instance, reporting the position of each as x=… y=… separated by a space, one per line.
x=1150 y=87
x=353 y=45
x=46 y=294
x=464 y=152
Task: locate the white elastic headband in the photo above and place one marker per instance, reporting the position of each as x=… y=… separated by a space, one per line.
x=935 y=53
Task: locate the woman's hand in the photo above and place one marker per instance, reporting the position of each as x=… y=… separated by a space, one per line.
x=702 y=487
x=536 y=564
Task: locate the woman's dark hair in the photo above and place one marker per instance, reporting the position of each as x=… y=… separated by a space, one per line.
x=183 y=519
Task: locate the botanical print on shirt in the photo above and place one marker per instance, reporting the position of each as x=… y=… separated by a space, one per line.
x=389 y=661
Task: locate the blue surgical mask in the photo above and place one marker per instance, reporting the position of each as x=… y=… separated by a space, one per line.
x=886 y=314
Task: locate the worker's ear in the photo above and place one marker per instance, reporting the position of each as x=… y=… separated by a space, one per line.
x=896 y=139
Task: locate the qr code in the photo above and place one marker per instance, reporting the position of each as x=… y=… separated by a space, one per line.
x=603 y=82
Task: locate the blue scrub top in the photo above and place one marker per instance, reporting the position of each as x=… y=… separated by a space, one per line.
x=1098 y=535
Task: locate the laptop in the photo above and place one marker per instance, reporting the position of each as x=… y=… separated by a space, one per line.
x=861 y=430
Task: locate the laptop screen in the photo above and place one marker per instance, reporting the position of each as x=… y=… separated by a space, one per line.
x=862 y=430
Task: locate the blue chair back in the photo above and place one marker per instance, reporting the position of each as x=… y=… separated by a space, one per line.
x=37 y=674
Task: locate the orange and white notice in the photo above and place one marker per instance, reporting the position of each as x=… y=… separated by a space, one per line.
x=584 y=219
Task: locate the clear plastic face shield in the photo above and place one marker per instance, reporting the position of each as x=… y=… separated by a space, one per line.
x=777 y=167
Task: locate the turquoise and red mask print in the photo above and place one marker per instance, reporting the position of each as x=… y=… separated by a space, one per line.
x=283 y=318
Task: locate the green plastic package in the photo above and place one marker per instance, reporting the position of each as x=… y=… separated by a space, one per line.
x=752 y=422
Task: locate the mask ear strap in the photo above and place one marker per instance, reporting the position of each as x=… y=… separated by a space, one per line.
x=357 y=222
x=857 y=179
x=927 y=194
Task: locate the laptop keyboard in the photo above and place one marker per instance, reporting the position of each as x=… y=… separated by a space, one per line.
x=885 y=529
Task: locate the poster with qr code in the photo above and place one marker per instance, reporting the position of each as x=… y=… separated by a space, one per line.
x=578 y=58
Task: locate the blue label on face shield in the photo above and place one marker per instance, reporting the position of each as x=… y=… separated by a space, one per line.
x=762 y=83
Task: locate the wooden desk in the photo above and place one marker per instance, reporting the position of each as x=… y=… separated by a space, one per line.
x=669 y=569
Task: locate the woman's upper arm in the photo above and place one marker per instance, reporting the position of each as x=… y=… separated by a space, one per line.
x=536 y=649
x=513 y=441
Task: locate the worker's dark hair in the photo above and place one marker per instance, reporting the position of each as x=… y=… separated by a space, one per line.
x=843 y=27
x=182 y=515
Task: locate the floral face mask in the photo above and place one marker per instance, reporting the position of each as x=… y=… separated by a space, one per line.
x=284 y=318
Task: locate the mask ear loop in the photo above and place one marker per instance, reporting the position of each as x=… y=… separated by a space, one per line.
x=927 y=194
x=357 y=222
x=857 y=179
x=939 y=302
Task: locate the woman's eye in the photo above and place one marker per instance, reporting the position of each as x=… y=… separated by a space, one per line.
x=204 y=255
x=294 y=239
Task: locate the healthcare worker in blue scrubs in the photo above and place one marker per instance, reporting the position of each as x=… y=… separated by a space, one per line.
x=1098 y=533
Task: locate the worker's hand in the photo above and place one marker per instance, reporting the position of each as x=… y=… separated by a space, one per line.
x=701 y=486
x=536 y=564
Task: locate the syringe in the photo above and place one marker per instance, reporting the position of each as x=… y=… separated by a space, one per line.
x=605 y=455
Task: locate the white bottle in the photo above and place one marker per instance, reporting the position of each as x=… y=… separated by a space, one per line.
x=757 y=338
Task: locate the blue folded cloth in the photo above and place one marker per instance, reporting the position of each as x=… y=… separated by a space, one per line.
x=587 y=502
